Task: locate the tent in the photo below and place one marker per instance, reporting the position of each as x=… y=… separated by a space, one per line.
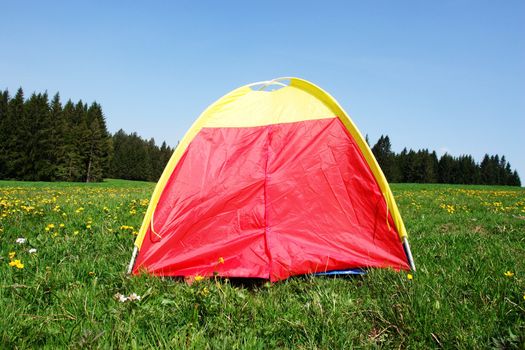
x=272 y=180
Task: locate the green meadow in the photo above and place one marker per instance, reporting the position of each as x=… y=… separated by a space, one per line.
x=60 y=288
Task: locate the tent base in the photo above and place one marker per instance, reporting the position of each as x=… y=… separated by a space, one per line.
x=358 y=271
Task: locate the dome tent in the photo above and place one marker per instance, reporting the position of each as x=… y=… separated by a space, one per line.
x=272 y=180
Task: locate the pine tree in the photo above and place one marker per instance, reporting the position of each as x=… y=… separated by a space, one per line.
x=59 y=129
x=12 y=126
x=154 y=158
x=446 y=169
x=78 y=137
x=401 y=161
x=507 y=174
x=411 y=166
x=165 y=155
x=515 y=181
x=4 y=106
x=139 y=158
x=71 y=169
x=468 y=170
x=129 y=157
x=426 y=167
x=432 y=168
x=26 y=140
x=117 y=166
x=94 y=160
x=496 y=169
x=4 y=100
x=382 y=151
x=4 y=132
x=96 y=146
x=37 y=143
x=485 y=174
x=419 y=173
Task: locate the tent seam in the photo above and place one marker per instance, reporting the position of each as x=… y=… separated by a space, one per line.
x=267 y=149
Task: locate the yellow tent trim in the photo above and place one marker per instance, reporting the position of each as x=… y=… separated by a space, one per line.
x=258 y=108
x=247 y=107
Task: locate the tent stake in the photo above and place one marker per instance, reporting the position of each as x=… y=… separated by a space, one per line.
x=408 y=253
x=133 y=257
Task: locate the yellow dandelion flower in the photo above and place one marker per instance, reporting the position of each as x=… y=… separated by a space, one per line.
x=61 y=225
x=88 y=226
x=509 y=274
x=410 y=277
x=16 y=263
x=50 y=226
x=12 y=255
x=198 y=278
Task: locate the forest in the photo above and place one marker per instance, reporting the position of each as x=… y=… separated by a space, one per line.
x=42 y=139
x=423 y=166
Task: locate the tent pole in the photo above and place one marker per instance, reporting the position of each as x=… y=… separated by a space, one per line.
x=132 y=261
x=408 y=253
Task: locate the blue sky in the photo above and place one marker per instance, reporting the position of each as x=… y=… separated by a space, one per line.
x=443 y=75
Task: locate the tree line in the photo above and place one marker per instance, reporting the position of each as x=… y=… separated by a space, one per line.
x=135 y=158
x=424 y=166
x=43 y=140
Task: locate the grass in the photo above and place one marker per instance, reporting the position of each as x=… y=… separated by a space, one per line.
x=464 y=240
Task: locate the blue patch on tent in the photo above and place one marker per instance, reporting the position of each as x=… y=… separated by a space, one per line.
x=342 y=272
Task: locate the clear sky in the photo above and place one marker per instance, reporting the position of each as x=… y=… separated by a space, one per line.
x=443 y=75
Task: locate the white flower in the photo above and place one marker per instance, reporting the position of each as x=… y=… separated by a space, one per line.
x=133 y=297
x=20 y=240
x=32 y=251
x=120 y=297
